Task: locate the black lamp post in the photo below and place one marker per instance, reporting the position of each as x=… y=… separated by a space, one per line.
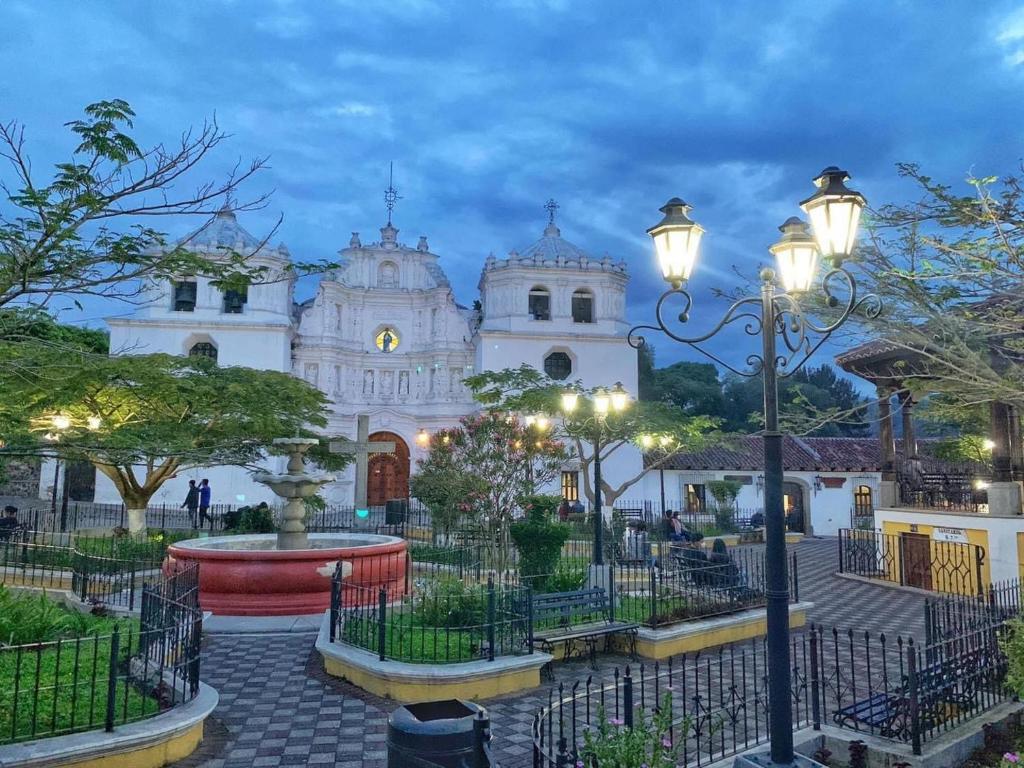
x=774 y=315
x=601 y=404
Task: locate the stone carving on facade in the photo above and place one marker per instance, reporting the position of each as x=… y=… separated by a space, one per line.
x=387 y=275
x=368 y=383
x=403 y=384
x=311 y=373
x=387 y=383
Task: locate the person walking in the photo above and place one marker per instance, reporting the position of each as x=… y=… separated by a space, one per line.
x=204 y=502
x=563 y=510
x=191 y=502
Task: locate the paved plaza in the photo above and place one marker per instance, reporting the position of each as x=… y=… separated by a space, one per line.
x=278 y=708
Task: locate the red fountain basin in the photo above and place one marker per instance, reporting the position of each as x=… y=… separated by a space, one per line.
x=248 y=576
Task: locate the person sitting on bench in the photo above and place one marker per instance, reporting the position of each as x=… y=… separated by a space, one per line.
x=9 y=524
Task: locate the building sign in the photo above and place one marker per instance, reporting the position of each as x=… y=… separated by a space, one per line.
x=955 y=535
x=741 y=479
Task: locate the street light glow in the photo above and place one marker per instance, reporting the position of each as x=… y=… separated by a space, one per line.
x=601 y=402
x=989 y=444
x=94 y=422
x=834 y=211
x=619 y=397
x=60 y=421
x=422 y=438
x=676 y=240
x=569 y=401
x=796 y=255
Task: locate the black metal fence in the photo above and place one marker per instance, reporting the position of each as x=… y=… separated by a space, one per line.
x=102 y=681
x=913 y=561
x=717 y=702
x=446 y=621
x=100 y=570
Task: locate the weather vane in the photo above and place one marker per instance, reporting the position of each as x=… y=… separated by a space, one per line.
x=391 y=194
x=551 y=206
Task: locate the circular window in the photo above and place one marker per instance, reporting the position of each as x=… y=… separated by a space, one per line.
x=387 y=340
x=558 y=365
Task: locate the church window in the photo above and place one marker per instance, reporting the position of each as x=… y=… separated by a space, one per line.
x=696 y=499
x=387 y=275
x=387 y=339
x=558 y=365
x=571 y=485
x=203 y=349
x=184 y=296
x=582 y=306
x=540 y=303
x=234 y=301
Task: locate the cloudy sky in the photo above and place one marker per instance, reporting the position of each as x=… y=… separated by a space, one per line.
x=489 y=108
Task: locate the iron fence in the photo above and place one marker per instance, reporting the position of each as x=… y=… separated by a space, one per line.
x=909 y=560
x=717 y=702
x=100 y=570
x=102 y=681
x=442 y=622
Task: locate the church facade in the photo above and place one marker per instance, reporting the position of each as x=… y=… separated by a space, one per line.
x=385 y=337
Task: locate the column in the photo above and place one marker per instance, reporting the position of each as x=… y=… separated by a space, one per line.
x=911 y=466
x=1004 y=493
x=888 y=496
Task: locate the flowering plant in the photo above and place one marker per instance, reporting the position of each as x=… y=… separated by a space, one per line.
x=1010 y=760
x=648 y=744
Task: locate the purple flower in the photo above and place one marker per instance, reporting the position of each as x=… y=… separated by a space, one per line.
x=1011 y=757
x=616 y=721
x=666 y=742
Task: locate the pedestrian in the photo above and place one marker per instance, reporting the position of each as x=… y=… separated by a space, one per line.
x=204 y=502
x=9 y=524
x=563 y=510
x=577 y=507
x=191 y=502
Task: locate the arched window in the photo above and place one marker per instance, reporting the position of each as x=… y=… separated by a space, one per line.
x=540 y=303
x=862 y=502
x=387 y=275
x=558 y=365
x=582 y=306
x=203 y=349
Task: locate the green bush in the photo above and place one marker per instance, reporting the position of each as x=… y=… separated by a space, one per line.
x=1012 y=644
x=35 y=618
x=539 y=540
x=451 y=603
x=259 y=519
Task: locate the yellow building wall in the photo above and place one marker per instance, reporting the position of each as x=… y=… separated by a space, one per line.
x=1020 y=555
x=966 y=582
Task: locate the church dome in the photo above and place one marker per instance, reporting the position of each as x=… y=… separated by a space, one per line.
x=222 y=231
x=553 y=246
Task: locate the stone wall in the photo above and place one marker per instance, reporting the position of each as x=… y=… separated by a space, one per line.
x=19 y=478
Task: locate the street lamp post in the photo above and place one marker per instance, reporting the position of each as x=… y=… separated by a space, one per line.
x=602 y=403
x=834 y=211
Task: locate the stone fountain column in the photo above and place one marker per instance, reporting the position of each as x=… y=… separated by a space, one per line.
x=294 y=486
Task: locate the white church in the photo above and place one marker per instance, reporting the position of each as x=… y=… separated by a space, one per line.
x=385 y=337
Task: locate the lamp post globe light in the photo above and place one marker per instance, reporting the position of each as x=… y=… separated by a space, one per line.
x=776 y=316
x=592 y=422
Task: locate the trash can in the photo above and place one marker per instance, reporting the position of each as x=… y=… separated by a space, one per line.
x=396 y=511
x=441 y=734
x=635 y=546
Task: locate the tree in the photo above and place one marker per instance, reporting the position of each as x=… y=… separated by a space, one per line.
x=950 y=270
x=81 y=232
x=693 y=387
x=645 y=424
x=142 y=419
x=496 y=462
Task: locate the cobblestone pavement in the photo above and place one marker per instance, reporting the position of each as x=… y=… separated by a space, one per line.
x=278 y=708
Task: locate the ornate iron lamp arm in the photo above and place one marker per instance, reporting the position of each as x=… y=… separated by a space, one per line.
x=735 y=313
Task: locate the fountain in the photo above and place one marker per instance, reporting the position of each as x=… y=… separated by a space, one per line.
x=289 y=573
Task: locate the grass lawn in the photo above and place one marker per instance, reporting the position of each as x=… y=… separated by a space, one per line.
x=54 y=669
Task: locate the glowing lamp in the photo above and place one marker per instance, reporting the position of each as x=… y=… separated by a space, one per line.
x=989 y=444
x=422 y=438
x=796 y=255
x=676 y=240
x=94 y=422
x=60 y=421
x=646 y=441
x=569 y=401
x=619 y=397
x=834 y=211
x=362 y=514
x=602 y=402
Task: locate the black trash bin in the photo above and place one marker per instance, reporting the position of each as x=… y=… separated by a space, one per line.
x=396 y=511
x=445 y=734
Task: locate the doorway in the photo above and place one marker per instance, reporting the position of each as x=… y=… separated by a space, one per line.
x=916 y=556
x=793 y=507
x=388 y=472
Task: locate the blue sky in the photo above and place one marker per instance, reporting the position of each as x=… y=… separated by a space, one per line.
x=489 y=108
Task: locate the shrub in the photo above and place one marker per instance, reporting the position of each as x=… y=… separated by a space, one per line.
x=35 y=618
x=247 y=519
x=539 y=540
x=451 y=603
x=1012 y=644
x=648 y=744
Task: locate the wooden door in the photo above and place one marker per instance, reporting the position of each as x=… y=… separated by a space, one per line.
x=793 y=504
x=388 y=472
x=916 y=556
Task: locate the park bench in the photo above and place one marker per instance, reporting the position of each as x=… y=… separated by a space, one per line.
x=581 y=616
x=945 y=689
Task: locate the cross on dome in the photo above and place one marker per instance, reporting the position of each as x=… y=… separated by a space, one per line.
x=391 y=195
